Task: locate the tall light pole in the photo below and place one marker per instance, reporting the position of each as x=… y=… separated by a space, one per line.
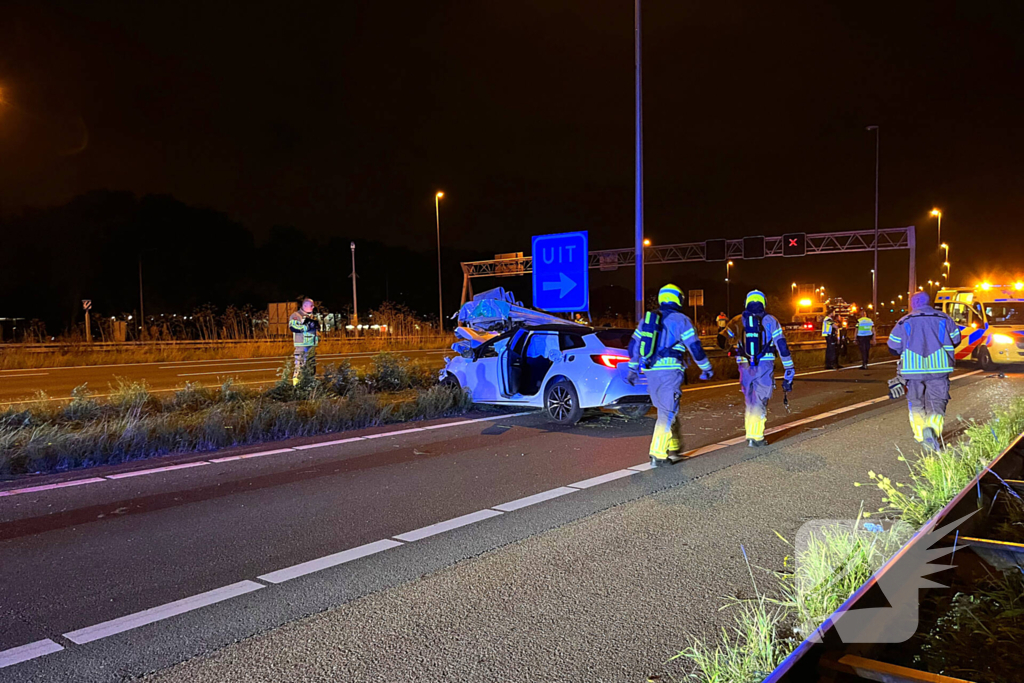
x=946 y=259
x=440 y=305
x=874 y=280
x=142 y=311
x=728 y=313
x=938 y=215
x=638 y=199
x=946 y=264
x=355 y=299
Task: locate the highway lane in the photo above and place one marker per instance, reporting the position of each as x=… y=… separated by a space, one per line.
x=77 y=557
x=58 y=382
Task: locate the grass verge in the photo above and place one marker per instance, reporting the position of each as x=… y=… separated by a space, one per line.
x=839 y=558
x=44 y=436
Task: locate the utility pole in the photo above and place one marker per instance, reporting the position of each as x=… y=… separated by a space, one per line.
x=142 y=311
x=874 y=280
x=638 y=200
x=440 y=305
x=355 y=299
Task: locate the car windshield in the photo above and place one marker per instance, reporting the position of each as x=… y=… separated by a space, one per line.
x=614 y=338
x=1005 y=314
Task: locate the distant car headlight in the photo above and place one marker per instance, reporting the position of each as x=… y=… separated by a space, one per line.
x=1003 y=339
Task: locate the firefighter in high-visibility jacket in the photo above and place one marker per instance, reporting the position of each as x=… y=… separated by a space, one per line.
x=758 y=339
x=925 y=340
x=659 y=344
x=865 y=339
x=306 y=335
x=830 y=332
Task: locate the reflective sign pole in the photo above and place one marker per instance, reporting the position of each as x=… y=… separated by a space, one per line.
x=639 y=198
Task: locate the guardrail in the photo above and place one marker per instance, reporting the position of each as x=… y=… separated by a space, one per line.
x=205 y=343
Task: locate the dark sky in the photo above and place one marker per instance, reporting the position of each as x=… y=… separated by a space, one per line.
x=343 y=118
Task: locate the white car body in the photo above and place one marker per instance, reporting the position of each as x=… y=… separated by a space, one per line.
x=560 y=367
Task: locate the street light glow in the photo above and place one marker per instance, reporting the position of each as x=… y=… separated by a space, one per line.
x=936 y=212
x=805 y=302
x=439 y=195
x=647 y=242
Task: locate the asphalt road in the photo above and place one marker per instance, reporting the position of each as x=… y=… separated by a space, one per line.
x=58 y=382
x=240 y=533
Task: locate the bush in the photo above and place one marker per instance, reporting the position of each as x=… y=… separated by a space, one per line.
x=388 y=373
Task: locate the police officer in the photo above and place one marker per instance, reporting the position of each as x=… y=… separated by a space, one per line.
x=674 y=336
x=830 y=331
x=306 y=334
x=865 y=338
x=759 y=338
x=925 y=340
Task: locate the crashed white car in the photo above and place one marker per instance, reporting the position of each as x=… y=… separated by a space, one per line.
x=511 y=355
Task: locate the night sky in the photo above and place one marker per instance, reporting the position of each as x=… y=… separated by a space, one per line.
x=343 y=118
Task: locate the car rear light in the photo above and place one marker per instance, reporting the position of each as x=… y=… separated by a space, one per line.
x=609 y=360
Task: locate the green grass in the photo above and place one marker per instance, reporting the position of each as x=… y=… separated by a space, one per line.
x=837 y=560
x=46 y=436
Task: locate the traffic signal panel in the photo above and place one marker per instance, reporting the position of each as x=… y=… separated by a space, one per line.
x=794 y=244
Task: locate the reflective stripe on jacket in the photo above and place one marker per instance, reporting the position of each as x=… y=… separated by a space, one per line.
x=865 y=327
x=676 y=337
x=301 y=335
x=925 y=339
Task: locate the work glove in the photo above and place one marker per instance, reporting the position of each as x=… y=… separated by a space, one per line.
x=707 y=374
x=631 y=377
x=789 y=375
x=787 y=385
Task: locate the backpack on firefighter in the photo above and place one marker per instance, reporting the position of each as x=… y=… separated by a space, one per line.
x=651 y=329
x=754 y=344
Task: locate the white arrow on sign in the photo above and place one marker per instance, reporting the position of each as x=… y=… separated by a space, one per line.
x=565 y=284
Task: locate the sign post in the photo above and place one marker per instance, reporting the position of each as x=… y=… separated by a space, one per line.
x=696 y=297
x=86 y=305
x=561 y=276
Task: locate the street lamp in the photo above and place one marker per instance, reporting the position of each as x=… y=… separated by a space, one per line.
x=647 y=242
x=938 y=215
x=728 y=265
x=638 y=187
x=874 y=282
x=440 y=305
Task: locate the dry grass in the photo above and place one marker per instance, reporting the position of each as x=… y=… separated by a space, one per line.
x=47 y=436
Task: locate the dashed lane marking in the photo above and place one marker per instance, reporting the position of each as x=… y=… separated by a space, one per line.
x=535 y=498
x=23 y=653
x=154 y=614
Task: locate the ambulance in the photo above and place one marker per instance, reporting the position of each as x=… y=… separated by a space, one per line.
x=991 y=321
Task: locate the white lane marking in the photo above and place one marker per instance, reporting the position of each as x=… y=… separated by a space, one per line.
x=450 y=424
x=733 y=442
x=447 y=525
x=602 y=479
x=17 y=655
x=30 y=374
x=224 y=372
x=321 y=444
x=152 y=391
x=169 y=468
x=534 y=499
x=704 y=449
x=967 y=374
x=154 y=614
x=48 y=487
x=705 y=387
x=642 y=467
x=244 y=456
x=295 y=571
x=400 y=431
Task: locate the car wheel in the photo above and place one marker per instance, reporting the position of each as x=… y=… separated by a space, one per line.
x=985 y=360
x=451 y=382
x=562 y=403
x=634 y=411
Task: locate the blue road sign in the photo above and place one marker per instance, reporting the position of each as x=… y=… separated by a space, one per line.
x=561 y=279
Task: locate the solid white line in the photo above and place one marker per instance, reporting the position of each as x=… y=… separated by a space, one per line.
x=17 y=655
x=642 y=467
x=243 y=456
x=967 y=374
x=534 y=499
x=139 y=473
x=400 y=431
x=704 y=449
x=154 y=614
x=47 y=487
x=447 y=525
x=295 y=571
x=224 y=372
x=31 y=374
x=329 y=443
x=604 y=478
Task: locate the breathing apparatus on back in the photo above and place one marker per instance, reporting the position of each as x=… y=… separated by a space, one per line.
x=670 y=299
x=755 y=343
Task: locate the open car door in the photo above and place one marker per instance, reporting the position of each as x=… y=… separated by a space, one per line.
x=511 y=362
